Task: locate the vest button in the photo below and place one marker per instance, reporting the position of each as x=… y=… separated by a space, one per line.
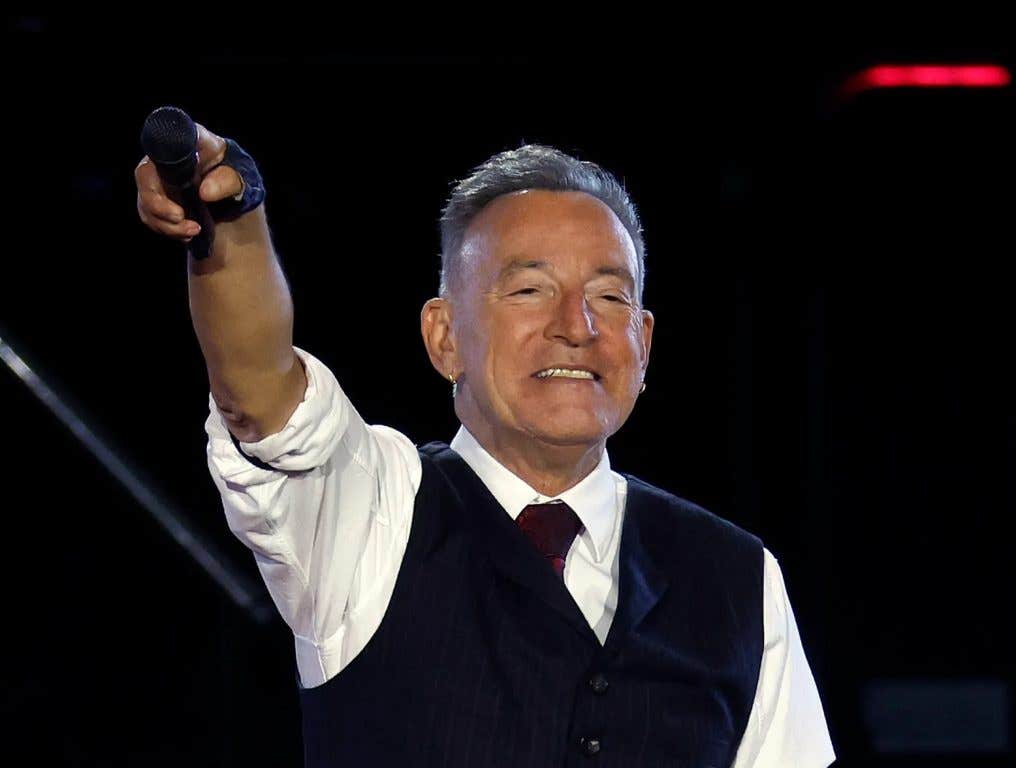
x=589 y=746
x=598 y=683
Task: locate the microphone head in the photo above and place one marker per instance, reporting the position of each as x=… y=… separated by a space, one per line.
x=170 y=138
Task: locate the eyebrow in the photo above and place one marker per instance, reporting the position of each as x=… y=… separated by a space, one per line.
x=517 y=265
x=621 y=272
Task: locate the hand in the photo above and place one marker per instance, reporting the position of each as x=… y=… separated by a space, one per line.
x=156 y=208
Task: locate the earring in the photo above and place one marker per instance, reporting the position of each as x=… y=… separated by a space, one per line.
x=643 y=389
x=455 y=385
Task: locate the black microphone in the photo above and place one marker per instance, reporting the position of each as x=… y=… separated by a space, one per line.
x=170 y=139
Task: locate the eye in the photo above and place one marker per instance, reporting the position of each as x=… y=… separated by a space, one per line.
x=524 y=292
x=614 y=298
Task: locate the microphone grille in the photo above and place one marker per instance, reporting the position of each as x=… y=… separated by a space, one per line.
x=169 y=135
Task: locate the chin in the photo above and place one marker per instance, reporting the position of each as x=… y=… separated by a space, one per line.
x=562 y=431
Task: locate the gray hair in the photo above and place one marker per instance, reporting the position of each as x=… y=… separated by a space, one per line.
x=531 y=166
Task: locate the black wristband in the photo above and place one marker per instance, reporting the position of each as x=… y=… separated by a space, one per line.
x=253 y=186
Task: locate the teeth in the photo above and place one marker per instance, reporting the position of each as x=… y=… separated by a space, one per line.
x=567 y=373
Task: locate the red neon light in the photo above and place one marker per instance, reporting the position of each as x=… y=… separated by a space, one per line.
x=928 y=76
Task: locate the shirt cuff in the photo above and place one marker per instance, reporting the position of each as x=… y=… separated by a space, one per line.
x=307 y=440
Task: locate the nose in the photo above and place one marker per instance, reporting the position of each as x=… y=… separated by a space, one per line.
x=573 y=321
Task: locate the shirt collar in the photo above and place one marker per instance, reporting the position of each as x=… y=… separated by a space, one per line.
x=594 y=498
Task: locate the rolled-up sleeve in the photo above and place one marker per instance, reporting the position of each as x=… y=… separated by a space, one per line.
x=326 y=514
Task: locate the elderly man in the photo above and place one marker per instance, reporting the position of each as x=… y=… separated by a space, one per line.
x=508 y=599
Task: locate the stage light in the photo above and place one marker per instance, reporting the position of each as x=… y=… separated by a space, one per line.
x=927 y=76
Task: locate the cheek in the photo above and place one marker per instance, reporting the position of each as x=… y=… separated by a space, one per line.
x=635 y=328
x=634 y=339
x=494 y=360
x=511 y=341
x=475 y=341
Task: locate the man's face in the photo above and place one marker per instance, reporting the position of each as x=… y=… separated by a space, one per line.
x=550 y=339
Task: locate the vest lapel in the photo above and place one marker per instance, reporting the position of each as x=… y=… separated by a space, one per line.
x=510 y=551
x=642 y=583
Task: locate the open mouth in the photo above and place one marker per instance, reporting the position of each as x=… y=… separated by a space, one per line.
x=567 y=373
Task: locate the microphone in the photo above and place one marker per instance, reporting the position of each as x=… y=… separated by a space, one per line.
x=170 y=139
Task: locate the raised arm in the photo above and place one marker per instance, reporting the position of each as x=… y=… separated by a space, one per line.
x=240 y=303
x=322 y=499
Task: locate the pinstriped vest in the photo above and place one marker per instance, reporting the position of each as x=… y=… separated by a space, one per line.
x=484 y=659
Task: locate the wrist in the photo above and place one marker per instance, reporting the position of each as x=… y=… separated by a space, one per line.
x=252 y=188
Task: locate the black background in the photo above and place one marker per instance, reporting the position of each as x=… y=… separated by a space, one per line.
x=832 y=361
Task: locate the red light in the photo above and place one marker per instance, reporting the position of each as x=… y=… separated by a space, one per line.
x=928 y=76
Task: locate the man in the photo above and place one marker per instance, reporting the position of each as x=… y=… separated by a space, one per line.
x=508 y=599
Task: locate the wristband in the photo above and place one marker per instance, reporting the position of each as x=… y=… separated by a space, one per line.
x=253 y=192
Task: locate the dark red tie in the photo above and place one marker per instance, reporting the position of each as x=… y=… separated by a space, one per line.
x=552 y=528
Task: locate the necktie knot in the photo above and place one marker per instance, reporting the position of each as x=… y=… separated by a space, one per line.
x=552 y=528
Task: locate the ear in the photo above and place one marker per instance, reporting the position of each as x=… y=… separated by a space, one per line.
x=648 y=321
x=438 y=337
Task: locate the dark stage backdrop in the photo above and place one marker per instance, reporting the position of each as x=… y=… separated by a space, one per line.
x=832 y=363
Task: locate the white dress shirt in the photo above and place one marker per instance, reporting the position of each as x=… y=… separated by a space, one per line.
x=329 y=525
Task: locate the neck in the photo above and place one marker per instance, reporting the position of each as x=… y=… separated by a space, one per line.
x=548 y=468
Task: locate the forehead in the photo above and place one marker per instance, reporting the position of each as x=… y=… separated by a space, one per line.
x=563 y=228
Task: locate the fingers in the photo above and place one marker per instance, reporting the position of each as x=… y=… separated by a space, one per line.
x=184 y=229
x=152 y=193
x=220 y=182
x=160 y=213
x=156 y=210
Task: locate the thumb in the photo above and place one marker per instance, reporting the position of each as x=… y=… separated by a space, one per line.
x=220 y=183
x=211 y=149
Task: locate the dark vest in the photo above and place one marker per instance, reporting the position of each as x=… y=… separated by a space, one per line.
x=483 y=659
